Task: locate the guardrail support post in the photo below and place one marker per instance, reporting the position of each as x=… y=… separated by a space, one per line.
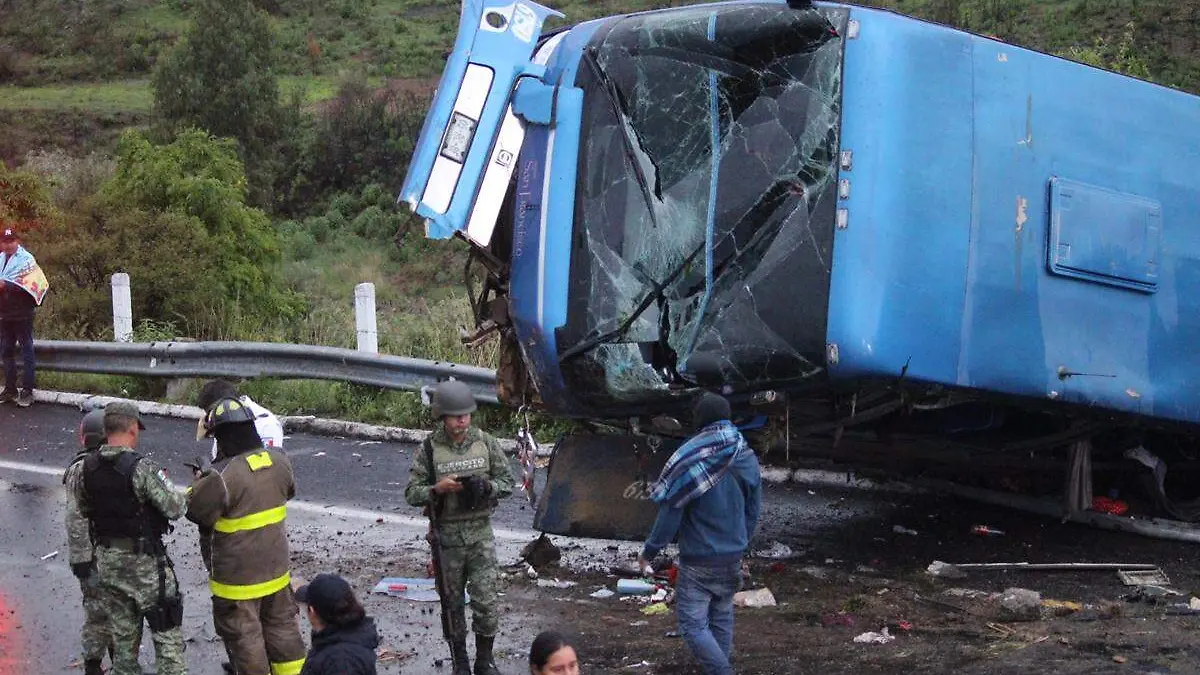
x=364 y=318
x=122 y=308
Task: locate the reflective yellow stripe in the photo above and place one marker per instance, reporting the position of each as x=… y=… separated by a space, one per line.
x=288 y=668
x=260 y=461
x=251 y=591
x=252 y=521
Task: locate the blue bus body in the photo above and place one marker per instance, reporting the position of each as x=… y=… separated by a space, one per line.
x=823 y=198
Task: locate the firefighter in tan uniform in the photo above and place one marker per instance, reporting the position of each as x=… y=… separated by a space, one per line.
x=242 y=507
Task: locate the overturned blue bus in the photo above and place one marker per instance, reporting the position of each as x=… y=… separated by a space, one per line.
x=885 y=237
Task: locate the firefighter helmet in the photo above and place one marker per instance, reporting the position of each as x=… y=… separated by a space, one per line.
x=227 y=411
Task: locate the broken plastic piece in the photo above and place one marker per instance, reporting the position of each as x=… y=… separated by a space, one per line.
x=761 y=597
x=655 y=609
x=407 y=588
x=776 y=551
x=1154 y=577
x=880 y=638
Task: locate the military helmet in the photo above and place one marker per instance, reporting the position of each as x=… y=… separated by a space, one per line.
x=226 y=411
x=91 y=429
x=452 y=398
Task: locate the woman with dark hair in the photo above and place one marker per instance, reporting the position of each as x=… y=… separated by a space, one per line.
x=551 y=654
x=344 y=637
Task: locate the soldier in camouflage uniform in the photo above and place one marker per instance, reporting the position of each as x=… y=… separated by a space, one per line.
x=95 y=637
x=459 y=475
x=127 y=501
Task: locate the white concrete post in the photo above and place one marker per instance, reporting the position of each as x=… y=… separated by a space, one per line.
x=122 y=308
x=364 y=317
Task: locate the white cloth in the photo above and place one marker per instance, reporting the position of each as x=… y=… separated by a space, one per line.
x=269 y=428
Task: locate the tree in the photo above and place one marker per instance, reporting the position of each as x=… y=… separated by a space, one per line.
x=24 y=199
x=199 y=178
x=362 y=137
x=220 y=78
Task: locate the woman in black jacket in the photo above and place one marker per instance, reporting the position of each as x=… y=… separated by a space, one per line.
x=344 y=637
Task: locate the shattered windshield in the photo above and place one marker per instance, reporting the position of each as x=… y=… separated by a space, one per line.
x=706 y=197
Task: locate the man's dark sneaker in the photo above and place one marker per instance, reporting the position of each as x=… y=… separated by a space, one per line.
x=227 y=667
x=25 y=398
x=7 y=395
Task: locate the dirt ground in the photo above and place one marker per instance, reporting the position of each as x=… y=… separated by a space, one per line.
x=848 y=579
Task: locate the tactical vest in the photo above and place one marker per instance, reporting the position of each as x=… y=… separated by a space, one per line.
x=113 y=506
x=447 y=462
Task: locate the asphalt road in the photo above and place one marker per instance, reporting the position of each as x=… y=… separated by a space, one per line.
x=350 y=516
x=350 y=507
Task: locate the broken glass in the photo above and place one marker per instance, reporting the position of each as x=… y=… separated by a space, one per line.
x=706 y=198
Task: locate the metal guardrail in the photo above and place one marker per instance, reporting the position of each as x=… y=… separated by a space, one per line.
x=259 y=359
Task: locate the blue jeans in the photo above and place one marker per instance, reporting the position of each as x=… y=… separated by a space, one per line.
x=13 y=331
x=704 y=606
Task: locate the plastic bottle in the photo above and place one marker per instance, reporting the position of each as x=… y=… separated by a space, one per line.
x=635 y=587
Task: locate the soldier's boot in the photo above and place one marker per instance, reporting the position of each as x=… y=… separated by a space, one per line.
x=92 y=667
x=485 y=663
x=458 y=656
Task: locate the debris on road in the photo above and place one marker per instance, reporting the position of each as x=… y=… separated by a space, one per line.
x=944 y=570
x=387 y=655
x=900 y=529
x=939 y=568
x=541 y=552
x=602 y=594
x=554 y=583
x=1150 y=594
x=1021 y=604
x=656 y=609
x=635 y=587
x=52 y=554
x=761 y=597
x=1154 y=577
x=408 y=588
x=880 y=638
x=986 y=531
x=1062 y=607
x=776 y=551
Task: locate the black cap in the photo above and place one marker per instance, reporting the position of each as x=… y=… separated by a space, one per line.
x=325 y=593
x=710 y=408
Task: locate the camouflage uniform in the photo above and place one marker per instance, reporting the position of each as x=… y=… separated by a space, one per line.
x=130 y=576
x=468 y=545
x=95 y=638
